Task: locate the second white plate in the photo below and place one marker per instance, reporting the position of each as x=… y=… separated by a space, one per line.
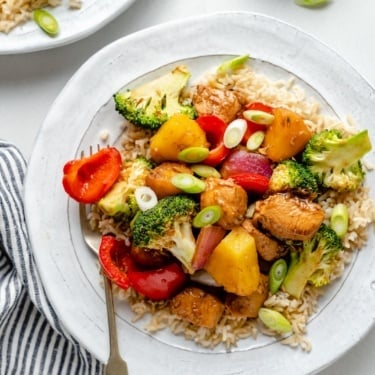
x=74 y=25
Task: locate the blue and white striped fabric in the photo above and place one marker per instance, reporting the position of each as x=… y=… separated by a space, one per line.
x=32 y=340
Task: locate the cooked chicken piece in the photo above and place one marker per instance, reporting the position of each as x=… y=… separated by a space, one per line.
x=247 y=307
x=159 y=178
x=287 y=217
x=231 y=197
x=197 y=307
x=268 y=248
x=221 y=103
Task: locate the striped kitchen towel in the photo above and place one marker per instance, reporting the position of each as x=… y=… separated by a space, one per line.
x=32 y=340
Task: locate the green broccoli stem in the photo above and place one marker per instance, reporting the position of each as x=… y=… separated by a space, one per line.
x=184 y=244
x=301 y=267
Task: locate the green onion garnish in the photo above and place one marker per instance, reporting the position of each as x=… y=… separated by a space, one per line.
x=259 y=117
x=340 y=219
x=311 y=3
x=274 y=320
x=255 y=140
x=232 y=64
x=234 y=133
x=205 y=171
x=207 y=216
x=46 y=21
x=188 y=183
x=277 y=274
x=193 y=154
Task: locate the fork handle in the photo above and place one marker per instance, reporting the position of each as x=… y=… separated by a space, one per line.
x=113 y=344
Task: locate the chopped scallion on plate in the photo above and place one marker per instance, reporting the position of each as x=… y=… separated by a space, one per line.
x=46 y=21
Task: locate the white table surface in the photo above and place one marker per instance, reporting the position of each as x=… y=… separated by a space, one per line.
x=29 y=83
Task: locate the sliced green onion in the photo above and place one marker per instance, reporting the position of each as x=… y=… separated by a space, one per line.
x=311 y=3
x=207 y=216
x=232 y=64
x=188 y=183
x=255 y=140
x=145 y=197
x=234 y=133
x=46 y=21
x=203 y=170
x=259 y=117
x=277 y=274
x=193 y=154
x=340 y=219
x=274 y=320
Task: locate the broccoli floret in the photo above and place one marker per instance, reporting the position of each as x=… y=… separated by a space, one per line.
x=134 y=172
x=313 y=263
x=167 y=226
x=335 y=160
x=120 y=200
x=292 y=176
x=152 y=103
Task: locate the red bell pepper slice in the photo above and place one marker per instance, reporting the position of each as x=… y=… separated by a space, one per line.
x=252 y=182
x=159 y=284
x=119 y=266
x=214 y=127
x=88 y=179
x=116 y=262
x=252 y=127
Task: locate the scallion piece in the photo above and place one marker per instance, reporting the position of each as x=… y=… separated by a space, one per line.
x=232 y=64
x=311 y=3
x=193 y=154
x=234 y=133
x=145 y=197
x=277 y=274
x=255 y=140
x=205 y=171
x=207 y=216
x=188 y=183
x=46 y=21
x=340 y=219
x=274 y=320
x=259 y=117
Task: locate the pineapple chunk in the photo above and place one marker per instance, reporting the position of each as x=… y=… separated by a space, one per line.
x=234 y=263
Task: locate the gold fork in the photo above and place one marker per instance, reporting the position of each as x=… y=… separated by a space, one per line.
x=115 y=364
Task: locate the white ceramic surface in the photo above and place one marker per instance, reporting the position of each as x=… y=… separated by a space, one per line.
x=69 y=270
x=74 y=25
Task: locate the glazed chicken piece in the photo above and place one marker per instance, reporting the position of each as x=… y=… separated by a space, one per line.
x=268 y=248
x=231 y=197
x=248 y=306
x=287 y=217
x=159 y=178
x=221 y=103
x=197 y=307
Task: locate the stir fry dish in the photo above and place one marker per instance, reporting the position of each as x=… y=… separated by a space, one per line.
x=230 y=205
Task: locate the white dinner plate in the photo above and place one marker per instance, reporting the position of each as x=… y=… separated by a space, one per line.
x=74 y=25
x=85 y=108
